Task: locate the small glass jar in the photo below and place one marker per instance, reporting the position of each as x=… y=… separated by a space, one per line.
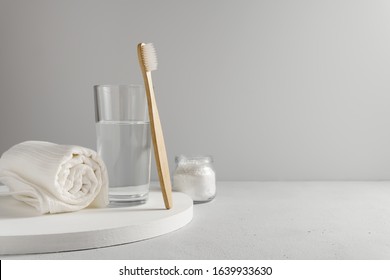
x=195 y=176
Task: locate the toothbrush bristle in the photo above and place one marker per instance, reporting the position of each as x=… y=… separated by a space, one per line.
x=149 y=57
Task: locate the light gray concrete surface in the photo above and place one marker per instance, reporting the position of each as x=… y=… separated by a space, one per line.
x=271 y=220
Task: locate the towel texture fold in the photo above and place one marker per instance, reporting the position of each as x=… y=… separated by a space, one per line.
x=55 y=178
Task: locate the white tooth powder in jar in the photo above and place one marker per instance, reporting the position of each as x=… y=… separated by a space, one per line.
x=195 y=176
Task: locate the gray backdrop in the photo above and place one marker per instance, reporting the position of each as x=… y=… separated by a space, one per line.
x=274 y=90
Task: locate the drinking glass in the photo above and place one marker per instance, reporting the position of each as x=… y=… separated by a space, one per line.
x=123 y=140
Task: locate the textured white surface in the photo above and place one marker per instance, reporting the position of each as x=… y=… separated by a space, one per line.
x=23 y=230
x=272 y=220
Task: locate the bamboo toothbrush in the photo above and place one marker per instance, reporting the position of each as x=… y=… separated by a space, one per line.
x=148 y=63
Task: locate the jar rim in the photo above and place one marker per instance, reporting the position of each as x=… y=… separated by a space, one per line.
x=194 y=158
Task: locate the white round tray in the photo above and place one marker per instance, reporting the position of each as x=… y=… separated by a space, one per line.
x=23 y=231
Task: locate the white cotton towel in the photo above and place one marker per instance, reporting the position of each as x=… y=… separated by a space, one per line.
x=54 y=178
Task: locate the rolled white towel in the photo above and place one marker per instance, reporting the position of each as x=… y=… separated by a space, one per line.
x=54 y=178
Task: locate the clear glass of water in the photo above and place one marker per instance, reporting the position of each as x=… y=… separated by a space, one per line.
x=124 y=141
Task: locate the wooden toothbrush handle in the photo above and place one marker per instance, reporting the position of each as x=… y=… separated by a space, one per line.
x=159 y=144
